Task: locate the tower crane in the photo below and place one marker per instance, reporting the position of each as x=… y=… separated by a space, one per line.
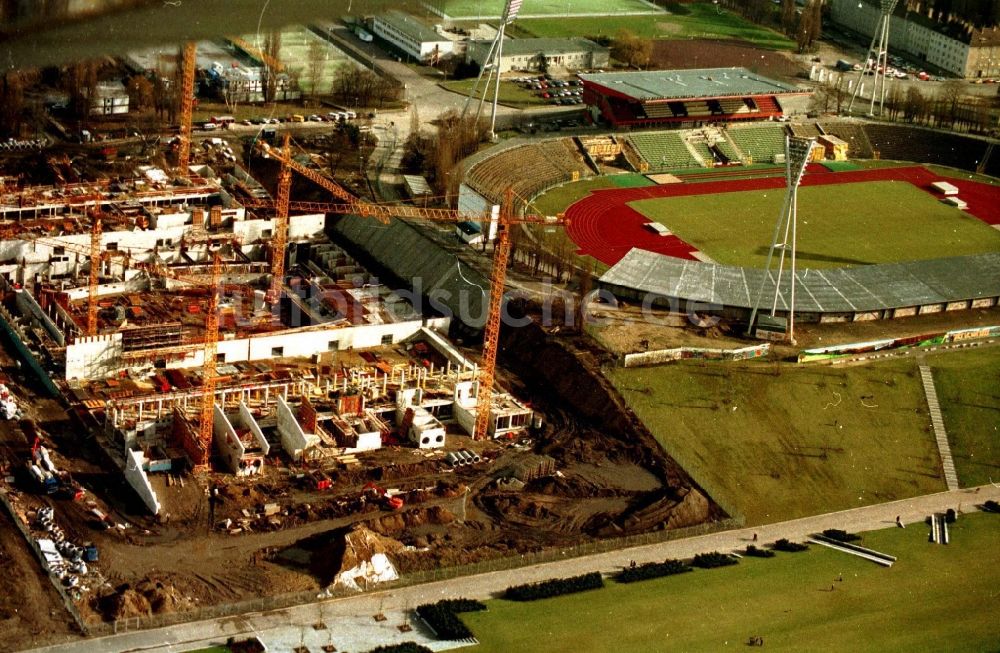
x=188 y=58
x=353 y=205
x=211 y=338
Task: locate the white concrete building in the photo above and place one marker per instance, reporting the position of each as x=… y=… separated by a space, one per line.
x=412 y=36
x=537 y=54
x=973 y=56
x=110 y=99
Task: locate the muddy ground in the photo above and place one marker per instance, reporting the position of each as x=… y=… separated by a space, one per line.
x=713 y=53
x=590 y=472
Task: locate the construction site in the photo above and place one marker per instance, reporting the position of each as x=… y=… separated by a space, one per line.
x=201 y=362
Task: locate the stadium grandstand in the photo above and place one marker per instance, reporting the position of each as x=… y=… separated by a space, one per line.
x=684 y=97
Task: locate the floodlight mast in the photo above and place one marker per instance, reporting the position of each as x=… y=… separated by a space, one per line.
x=797 y=154
x=493 y=60
x=881 y=62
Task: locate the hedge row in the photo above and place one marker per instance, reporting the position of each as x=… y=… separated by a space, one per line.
x=841 y=536
x=441 y=617
x=754 y=552
x=789 y=547
x=652 y=570
x=713 y=559
x=554 y=587
x=405 y=647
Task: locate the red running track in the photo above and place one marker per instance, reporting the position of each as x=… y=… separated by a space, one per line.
x=603 y=225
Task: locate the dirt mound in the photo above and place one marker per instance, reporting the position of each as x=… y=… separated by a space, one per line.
x=145 y=598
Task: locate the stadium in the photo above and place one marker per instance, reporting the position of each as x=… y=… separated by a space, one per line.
x=687 y=221
x=685 y=97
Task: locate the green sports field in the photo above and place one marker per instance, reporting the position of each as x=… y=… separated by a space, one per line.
x=493 y=8
x=699 y=20
x=774 y=442
x=968 y=386
x=935 y=598
x=839 y=225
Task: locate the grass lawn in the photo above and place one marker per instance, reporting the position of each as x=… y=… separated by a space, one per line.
x=555 y=200
x=510 y=93
x=968 y=386
x=935 y=598
x=493 y=8
x=703 y=20
x=840 y=225
x=779 y=447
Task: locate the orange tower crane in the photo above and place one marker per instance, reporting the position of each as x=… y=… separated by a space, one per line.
x=384 y=212
x=209 y=378
x=280 y=240
x=95 y=270
x=187 y=106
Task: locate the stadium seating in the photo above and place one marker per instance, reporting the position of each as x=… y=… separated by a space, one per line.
x=901 y=143
x=701 y=149
x=807 y=130
x=734 y=106
x=858 y=146
x=658 y=110
x=768 y=104
x=663 y=150
x=728 y=151
x=761 y=142
x=528 y=169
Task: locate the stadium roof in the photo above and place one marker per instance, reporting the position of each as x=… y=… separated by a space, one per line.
x=835 y=290
x=683 y=84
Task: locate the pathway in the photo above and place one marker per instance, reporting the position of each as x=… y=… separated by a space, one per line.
x=396 y=603
x=950 y=477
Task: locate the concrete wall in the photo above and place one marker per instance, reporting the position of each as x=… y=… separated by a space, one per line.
x=465 y=406
x=30 y=308
x=226 y=442
x=99 y=356
x=137 y=478
x=93 y=357
x=446 y=349
x=247 y=420
x=294 y=440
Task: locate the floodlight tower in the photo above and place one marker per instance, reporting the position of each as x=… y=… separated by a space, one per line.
x=797 y=152
x=492 y=64
x=881 y=61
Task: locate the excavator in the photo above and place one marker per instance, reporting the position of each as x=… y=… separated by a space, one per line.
x=392 y=503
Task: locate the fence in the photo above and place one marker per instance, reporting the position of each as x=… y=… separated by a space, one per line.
x=667 y=355
x=33 y=545
x=282 y=601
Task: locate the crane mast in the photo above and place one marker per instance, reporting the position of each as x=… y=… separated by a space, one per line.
x=209 y=379
x=187 y=106
x=95 y=270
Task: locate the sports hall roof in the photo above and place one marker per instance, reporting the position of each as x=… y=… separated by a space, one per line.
x=836 y=290
x=686 y=84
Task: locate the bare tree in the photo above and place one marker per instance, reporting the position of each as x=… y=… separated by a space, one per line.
x=11 y=102
x=316 y=61
x=269 y=82
x=631 y=49
x=140 y=92
x=789 y=17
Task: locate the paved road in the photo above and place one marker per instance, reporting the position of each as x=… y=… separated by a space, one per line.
x=395 y=603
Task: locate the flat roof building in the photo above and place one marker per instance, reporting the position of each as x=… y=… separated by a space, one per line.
x=693 y=97
x=411 y=35
x=539 y=54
